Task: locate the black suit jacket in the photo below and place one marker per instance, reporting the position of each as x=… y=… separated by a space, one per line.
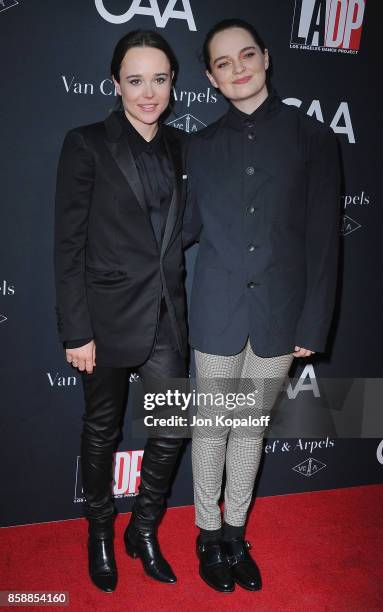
x=109 y=268
x=264 y=203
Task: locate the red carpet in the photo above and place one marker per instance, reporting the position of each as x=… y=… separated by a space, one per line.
x=320 y=551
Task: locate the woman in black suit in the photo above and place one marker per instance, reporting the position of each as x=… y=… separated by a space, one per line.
x=264 y=205
x=119 y=273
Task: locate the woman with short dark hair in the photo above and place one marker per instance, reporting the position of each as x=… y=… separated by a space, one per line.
x=264 y=206
x=119 y=280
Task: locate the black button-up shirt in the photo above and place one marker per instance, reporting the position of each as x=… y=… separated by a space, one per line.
x=155 y=170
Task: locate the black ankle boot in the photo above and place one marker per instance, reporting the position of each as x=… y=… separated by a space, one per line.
x=244 y=568
x=102 y=564
x=144 y=544
x=157 y=468
x=213 y=565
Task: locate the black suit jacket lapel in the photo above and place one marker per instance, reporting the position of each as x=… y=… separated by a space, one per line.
x=173 y=148
x=118 y=145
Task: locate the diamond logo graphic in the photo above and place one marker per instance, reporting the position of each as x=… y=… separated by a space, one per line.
x=6 y=4
x=2 y=318
x=349 y=225
x=188 y=123
x=309 y=467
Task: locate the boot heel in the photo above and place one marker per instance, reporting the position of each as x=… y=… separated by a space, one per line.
x=130 y=549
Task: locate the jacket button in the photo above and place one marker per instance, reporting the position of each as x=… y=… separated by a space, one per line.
x=250 y=170
x=251 y=248
x=251 y=136
x=250 y=210
x=251 y=284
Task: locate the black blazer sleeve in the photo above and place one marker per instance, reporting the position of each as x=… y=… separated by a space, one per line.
x=322 y=227
x=75 y=178
x=71 y=344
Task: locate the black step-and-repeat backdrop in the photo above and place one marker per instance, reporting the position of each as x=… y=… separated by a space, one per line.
x=54 y=59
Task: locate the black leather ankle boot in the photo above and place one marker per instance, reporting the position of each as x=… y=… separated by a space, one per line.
x=144 y=544
x=157 y=468
x=102 y=564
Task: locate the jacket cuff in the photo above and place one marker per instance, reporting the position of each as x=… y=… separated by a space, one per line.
x=71 y=344
x=313 y=339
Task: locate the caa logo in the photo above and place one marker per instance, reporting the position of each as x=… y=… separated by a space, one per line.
x=127 y=475
x=307 y=382
x=328 y=25
x=341 y=122
x=152 y=11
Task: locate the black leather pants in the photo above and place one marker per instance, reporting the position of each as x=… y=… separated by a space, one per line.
x=105 y=393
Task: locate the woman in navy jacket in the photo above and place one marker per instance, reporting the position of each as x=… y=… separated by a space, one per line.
x=264 y=205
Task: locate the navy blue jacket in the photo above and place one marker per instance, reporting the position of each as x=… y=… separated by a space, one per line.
x=264 y=204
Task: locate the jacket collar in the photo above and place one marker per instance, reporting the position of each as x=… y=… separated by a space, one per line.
x=120 y=150
x=239 y=120
x=123 y=156
x=173 y=148
x=113 y=127
x=137 y=143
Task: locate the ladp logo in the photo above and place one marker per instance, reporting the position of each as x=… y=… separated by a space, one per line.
x=328 y=25
x=127 y=475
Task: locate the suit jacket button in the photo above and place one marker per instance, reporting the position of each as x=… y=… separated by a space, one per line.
x=251 y=285
x=251 y=248
x=250 y=170
x=250 y=210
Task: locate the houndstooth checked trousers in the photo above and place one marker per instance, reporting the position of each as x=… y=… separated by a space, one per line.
x=239 y=448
